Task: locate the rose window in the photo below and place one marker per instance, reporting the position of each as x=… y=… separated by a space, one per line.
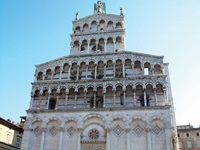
x=93 y=134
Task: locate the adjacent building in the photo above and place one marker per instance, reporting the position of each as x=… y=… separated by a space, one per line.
x=10 y=135
x=101 y=96
x=189 y=137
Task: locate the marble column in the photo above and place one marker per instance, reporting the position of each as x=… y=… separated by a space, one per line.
x=94 y=102
x=48 y=99
x=104 y=100
x=108 y=139
x=77 y=74
x=134 y=97
x=88 y=48
x=128 y=144
x=105 y=48
x=165 y=96
x=95 y=72
x=42 y=139
x=114 y=45
x=124 y=94
x=86 y=72
x=61 y=138
x=132 y=69
x=114 y=98
x=52 y=74
x=75 y=99
x=96 y=45
x=69 y=72
x=156 y=98
x=60 y=77
x=104 y=70
x=123 y=69
x=43 y=77
x=85 y=99
x=148 y=131
x=57 y=101
x=114 y=70
x=40 y=100
x=79 y=139
x=66 y=99
x=145 y=98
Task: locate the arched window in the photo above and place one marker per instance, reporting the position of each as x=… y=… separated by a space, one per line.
x=77 y=30
x=40 y=76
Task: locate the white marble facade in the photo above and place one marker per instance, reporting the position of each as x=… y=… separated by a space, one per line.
x=101 y=97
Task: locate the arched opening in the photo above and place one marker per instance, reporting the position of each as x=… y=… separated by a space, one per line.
x=101 y=25
x=73 y=71
x=109 y=69
x=98 y=49
x=86 y=28
x=149 y=92
x=48 y=74
x=137 y=68
x=140 y=94
x=147 y=68
x=37 y=95
x=119 y=44
x=118 y=69
x=90 y=97
x=62 y=96
x=65 y=71
x=84 y=46
x=40 y=76
x=129 y=95
x=128 y=68
x=110 y=25
x=94 y=26
x=157 y=69
x=109 y=96
x=71 y=97
x=52 y=101
x=91 y=69
x=110 y=45
x=99 y=97
x=83 y=70
x=80 y=98
x=77 y=29
x=118 y=25
x=120 y=95
x=100 y=70
x=160 y=94
x=56 y=72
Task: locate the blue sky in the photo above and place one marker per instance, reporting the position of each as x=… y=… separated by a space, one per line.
x=33 y=32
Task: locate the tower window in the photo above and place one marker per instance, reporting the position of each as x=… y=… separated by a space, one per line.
x=197 y=133
x=187 y=134
x=179 y=135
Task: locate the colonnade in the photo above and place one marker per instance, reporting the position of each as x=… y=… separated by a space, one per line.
x=97 y=26
x=99 y=70
x=99 y=98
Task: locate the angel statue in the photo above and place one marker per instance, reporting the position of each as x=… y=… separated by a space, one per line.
x=100 y=7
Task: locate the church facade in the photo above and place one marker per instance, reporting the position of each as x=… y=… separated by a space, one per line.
x=101 y=97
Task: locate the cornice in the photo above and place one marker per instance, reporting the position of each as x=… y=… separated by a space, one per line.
x=149 y=108
x=99 y=81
